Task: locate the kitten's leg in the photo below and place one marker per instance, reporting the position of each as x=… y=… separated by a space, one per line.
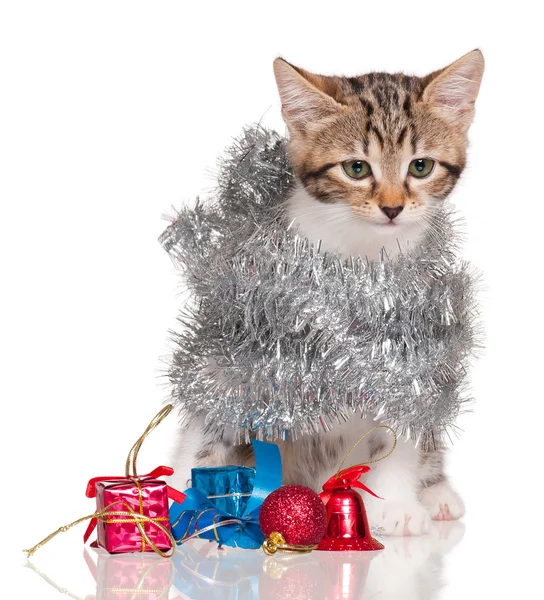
x=397 y=481
x=196 y=446
x=437 y=495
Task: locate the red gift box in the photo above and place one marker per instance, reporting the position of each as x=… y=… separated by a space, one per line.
x=149 y=498
x=144 y=496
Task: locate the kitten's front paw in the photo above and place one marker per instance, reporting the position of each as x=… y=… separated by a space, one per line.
x=396 y=518
x=442 y=502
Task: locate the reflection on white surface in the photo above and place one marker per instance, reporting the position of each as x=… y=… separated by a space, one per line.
x=408 y=569
x=145 y=576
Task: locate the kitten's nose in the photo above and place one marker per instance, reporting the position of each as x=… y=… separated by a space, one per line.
x=392 y=211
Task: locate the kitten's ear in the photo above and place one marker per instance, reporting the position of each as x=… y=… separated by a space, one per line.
x=452 y=91
x=306 y=98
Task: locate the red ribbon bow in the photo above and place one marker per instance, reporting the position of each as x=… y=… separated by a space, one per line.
x=346 y=479
x=173 y=494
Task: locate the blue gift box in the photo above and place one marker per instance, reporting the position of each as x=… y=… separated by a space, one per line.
x=229 y=488
x=223 y=503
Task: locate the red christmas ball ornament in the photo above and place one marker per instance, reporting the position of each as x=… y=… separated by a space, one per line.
x=297 y=514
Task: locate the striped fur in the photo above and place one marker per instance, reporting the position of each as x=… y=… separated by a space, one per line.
x=387 y=120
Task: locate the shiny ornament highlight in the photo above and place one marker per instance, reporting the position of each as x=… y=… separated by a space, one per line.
x=347 y=523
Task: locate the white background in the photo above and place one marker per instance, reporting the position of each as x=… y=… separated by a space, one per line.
x=112 y=112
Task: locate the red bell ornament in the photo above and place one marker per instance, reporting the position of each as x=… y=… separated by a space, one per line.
x=347 y=523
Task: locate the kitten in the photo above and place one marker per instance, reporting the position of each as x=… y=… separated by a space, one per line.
x=375 y=156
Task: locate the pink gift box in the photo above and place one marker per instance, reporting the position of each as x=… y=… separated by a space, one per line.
x=144 y=495
x=118 y=533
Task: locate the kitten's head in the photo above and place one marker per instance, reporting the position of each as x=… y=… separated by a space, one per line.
x=388 y=146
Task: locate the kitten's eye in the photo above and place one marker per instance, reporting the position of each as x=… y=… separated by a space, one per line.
x=421 y=167
x=357 y=169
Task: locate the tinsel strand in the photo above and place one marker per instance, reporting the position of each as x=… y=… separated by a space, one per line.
x=280 y=338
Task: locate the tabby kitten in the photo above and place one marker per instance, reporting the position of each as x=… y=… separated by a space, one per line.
x=375 y=156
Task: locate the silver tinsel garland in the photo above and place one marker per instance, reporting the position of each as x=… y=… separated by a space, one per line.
x=280 y=339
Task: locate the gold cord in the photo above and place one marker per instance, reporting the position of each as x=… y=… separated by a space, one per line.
x=105 y=515
x=275 y=542
x=133 y=454
x=360 y=440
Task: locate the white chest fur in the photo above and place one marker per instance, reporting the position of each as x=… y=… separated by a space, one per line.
x=339 y=229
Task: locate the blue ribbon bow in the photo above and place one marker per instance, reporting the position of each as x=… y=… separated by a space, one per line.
x=197 y=516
